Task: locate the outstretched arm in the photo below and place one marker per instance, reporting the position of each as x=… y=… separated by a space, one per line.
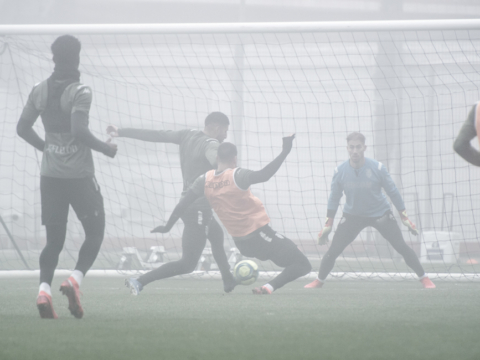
x=79 y=123
x=462 y=144
x=182 y=205
x=268 y=171
x=163 y=136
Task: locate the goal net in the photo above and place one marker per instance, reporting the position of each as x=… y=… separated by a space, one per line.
x=407 y=86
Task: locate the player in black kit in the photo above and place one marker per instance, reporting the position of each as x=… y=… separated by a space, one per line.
x=67 y=172
x=198 y=154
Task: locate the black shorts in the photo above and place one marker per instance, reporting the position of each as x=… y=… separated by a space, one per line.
x=267 y=244
x=57 y=194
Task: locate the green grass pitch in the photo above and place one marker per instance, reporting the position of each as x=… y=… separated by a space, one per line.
x=193 y=319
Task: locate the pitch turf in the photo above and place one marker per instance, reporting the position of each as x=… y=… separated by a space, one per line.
x=188 y=319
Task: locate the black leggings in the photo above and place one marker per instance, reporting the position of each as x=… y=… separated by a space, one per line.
x=348 y=229
x=86 y=200
x=199 y=225
x=270 y=245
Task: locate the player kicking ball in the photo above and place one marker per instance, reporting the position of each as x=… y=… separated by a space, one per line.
x=67 y=171
x=469 y=130
x=227 y=189
x=362 y=180
x=198 y=154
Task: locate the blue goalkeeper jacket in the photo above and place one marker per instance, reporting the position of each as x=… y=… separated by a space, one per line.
x=363 y=190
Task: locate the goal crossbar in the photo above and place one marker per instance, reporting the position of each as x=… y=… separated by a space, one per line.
x=225 y=28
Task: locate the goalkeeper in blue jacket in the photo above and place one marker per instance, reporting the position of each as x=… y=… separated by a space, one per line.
x=362 y=180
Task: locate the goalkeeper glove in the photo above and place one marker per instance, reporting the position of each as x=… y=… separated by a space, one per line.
x=323 y=234
x=406 y=221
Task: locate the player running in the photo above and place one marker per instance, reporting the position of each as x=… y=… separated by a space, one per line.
x=198 y=154
x=67 y=170
x=362 y=180
x=468 y=131
x=227 y=189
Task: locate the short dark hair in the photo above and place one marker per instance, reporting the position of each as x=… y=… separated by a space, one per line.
x=226 y=152
x=217 y=117
x=356 y=136
x=66 y=50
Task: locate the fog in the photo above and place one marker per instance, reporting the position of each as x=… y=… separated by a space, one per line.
x=408 y=92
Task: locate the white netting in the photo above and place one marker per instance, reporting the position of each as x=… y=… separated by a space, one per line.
x=408 y=91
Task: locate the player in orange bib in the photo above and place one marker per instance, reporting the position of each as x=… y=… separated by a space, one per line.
x=228 y=191
x=469 y=130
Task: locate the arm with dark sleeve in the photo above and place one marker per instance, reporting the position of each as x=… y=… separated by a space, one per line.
x=336 y=194
x=163 y=136
x=25 y=124
x=196 y=190
x=268 y=171
x=462 y=144
x=391 y=190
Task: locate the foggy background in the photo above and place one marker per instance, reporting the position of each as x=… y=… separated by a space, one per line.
x=204 y=11
x=408 y=92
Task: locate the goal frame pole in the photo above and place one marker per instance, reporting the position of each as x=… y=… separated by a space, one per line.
x=274 y=27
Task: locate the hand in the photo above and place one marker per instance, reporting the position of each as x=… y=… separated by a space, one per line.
x=112 y=149
x=406 y=221
x=323 y=234
x=288 y=142
x=160 y=229
x=112 y=130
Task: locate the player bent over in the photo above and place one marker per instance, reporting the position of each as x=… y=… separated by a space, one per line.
x=469 y=130
x=227 y=189
x=67 y=171
x=198 y=154
x=362 y=180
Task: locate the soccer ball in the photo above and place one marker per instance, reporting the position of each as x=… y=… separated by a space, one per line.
x=246 y=272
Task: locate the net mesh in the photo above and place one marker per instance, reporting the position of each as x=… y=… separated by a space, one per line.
x=408 y=92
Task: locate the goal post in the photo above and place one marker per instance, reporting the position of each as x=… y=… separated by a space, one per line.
x=406 y=85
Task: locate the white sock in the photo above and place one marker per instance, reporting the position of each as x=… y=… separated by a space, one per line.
x=321 y=280
x=78 y=276
x=45 y=288
x=423 y=276
x=269 y=287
